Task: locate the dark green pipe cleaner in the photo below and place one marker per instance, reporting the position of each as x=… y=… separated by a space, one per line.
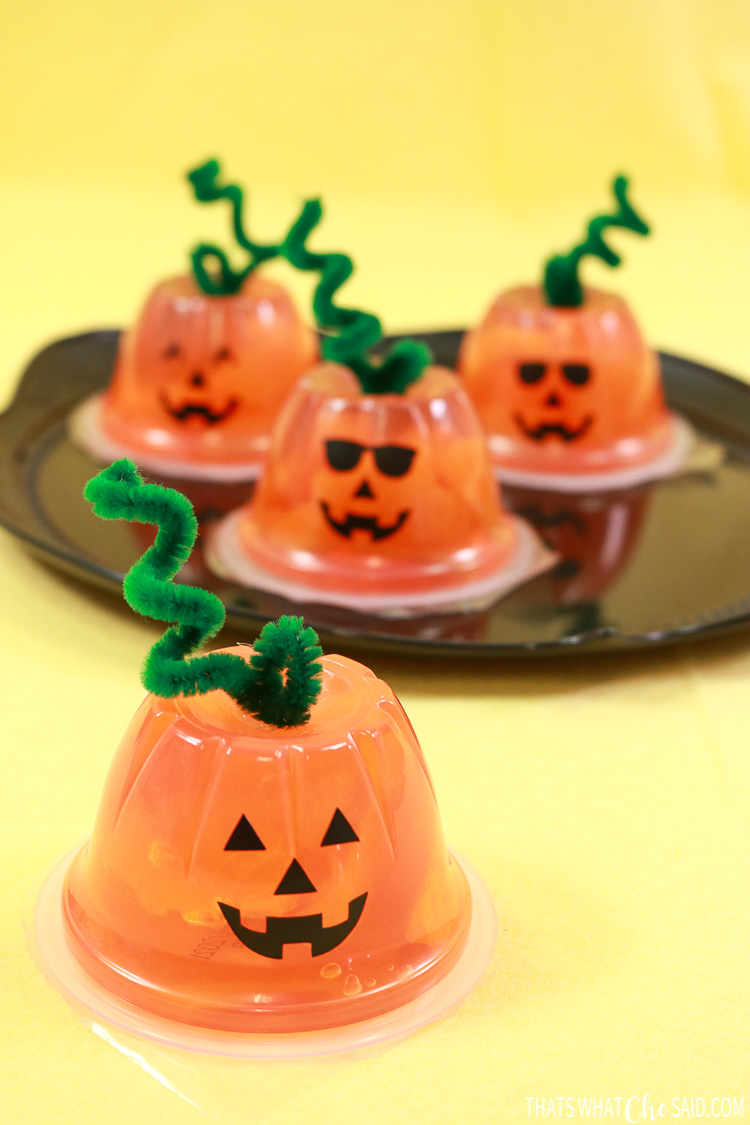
x=357 y=331
x=282 y=680
x=562 y=286
x=222 y=280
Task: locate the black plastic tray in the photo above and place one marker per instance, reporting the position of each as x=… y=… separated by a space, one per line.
x=659 y=564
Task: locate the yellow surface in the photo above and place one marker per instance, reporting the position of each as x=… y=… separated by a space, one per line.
x=604 y=801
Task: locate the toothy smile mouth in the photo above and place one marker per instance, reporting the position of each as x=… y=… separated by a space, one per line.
x=550 y=429
x=308 y=928
x=199 y=410
x=354 y=522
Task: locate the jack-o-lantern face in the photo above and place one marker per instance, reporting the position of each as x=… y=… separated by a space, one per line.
x=377 y=492
x=304 y=929
x=201 y=378
x=387 y=461
x=187 y=397
x=565 y=390
x=245 y=877
x=552 y=413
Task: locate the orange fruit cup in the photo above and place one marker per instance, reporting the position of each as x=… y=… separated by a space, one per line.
x=245 y=878
x=569 y=392
x=199 y=380
x=372 y=498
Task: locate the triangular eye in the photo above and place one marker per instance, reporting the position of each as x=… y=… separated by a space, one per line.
x=244 y=838
x=339 y=831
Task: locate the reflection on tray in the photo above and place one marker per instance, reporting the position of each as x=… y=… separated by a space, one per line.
x=468 y=627
x=594 y=536
x=660 y=563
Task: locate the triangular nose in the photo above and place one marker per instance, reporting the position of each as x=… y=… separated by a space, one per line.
x=244 y=838
x=295 y=882
x=365 y=490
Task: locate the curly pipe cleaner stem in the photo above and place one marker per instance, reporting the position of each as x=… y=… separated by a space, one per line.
x=281 y=681
x=358 y=330
x=230 y=280
x=562 y=286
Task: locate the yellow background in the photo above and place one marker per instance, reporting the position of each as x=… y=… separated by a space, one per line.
x=605 y=802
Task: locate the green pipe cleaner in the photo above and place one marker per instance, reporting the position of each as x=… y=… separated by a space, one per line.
x=562 y=286
x=229 y=280
x=282 y=680
x=357 y=330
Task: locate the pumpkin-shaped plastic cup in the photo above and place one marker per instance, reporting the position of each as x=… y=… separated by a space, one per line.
x=199 y=379
x=251 y=879
x=567 y=391
x=374 y=499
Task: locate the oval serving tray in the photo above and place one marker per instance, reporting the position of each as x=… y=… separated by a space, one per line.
x=659 y=564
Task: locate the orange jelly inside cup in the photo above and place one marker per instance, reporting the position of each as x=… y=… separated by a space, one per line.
x=248 y=878
x=200 y=379
x=369 y=493
x=565 y=390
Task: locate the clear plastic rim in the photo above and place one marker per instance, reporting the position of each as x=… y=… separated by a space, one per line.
x=96 y=1004
x=226 y=557
x=667 y=464
x=86 y=431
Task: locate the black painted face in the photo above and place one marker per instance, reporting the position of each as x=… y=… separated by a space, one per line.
x=353 y=522
x=192 y=400
x=390 y=460
x=306 y=928
x=552 y=402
